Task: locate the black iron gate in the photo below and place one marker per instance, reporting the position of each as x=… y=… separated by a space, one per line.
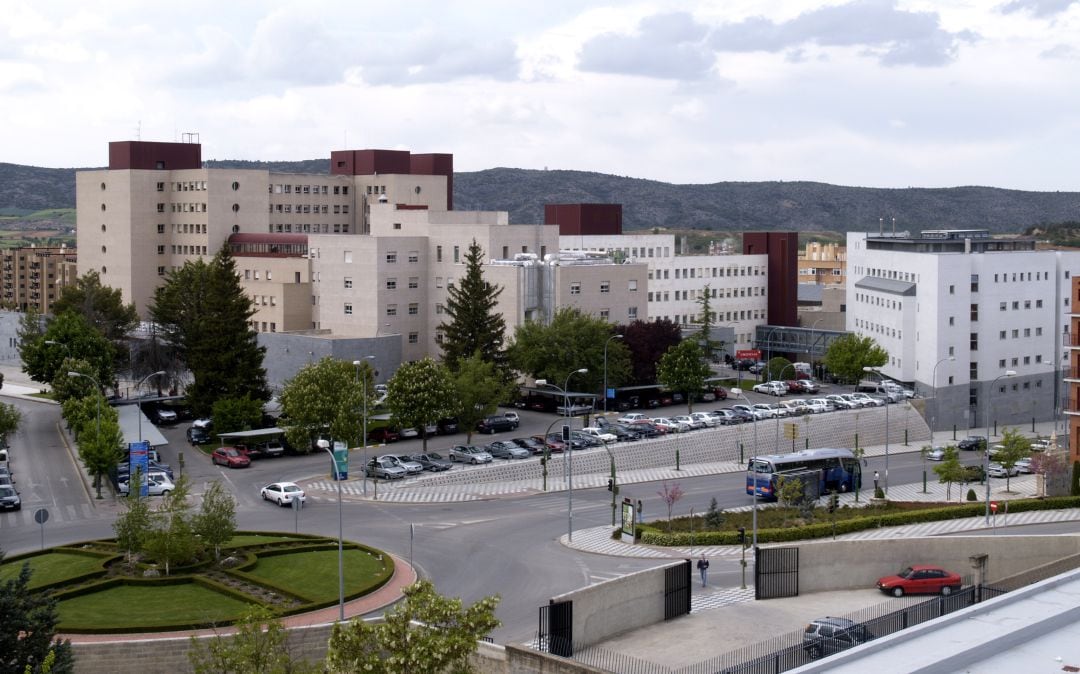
x=556 y=633
x=677 y=590
x=776 y=573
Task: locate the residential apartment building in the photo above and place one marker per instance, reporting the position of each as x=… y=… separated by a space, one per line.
x=737 y=284
x=1072 y=375
x=34 y=277
x=823 y=264
x=957 y=310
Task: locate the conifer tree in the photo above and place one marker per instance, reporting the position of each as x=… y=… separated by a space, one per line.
x=473 y=324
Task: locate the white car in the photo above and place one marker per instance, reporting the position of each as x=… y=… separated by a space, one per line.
x=632 y=418
x=770 y=388
x=771 y=411
x=469 y=454
x=283 y=493
x=998 y=470
x=600 y=434
x=157 y=484
x=705 y=418
x=841 y=403
x=868 y=401
x=818 y=405
x=690 y=421
x=1024 y=465
x=672 y=425
x=935 y=454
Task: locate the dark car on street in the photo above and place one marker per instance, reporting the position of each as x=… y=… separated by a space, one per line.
x=625 y=432
x=383 y=435
x=432 y=462
x=447 y=426
x=554 y=442
x=496 y=423
x=829 y=635
x=199 y=435
x=532 y=444
x=972 y=443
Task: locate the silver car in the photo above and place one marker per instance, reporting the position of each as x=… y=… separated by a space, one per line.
x=383 y=467
x=469 y=454
x=411 y=466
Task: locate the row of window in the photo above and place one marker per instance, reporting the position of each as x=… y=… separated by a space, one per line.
x=179 y=250
x=177 y=228
x=702 y=272
x=605 y=287
x=275 y=188
x=1002 y=306
x=823 y=271
x=307 y=228
x=391 y=256
x=339 y=209
x=877 y=328
x=255 y=326
x=186 y=207
x=973 y=392
x=879 y=301
x=716 y=293
x=186 y=186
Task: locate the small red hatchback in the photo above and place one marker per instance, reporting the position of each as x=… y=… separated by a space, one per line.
x=231 y=457
x=921 y=579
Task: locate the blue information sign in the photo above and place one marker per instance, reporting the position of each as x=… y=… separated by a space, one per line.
x=341 y=460
x=139 y=461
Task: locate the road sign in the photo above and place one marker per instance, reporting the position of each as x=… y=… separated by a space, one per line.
x=41 y=515
x=341 y=460
x=993 y=506
x=748 y=354
x=791 y=431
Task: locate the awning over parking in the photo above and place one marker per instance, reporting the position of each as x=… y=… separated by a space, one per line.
x=257 y=433
x=128 y=417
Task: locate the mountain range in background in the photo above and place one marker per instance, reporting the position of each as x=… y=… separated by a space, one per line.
x=648 y=204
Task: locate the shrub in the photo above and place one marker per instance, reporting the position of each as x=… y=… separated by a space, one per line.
x=879 y=492
x=971 y=495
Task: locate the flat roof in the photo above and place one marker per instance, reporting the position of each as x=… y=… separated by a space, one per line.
x=128 y=418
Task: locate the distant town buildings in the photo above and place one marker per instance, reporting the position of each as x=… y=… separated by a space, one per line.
x=823 y=264
x=33 y=277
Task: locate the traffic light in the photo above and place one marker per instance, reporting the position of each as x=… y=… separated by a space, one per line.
x=833 y=501
x=610 y=484
x=543 y=460
x=742 y=536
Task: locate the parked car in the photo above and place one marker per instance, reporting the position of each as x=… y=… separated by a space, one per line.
x=383 y=435
x=829 y=635
x=935 y=454
x=770 y=411
x=755 y=414
x=9 y=498
x=271 y=448
x=720 y=392
x=796 y=407
x=997 y=470
x=447 y=426
x=972 y=443
x=532 y=444
x=599 y=433
x=405 y=461
x=817 y=406
x=671 y=425
x=432 y=461
x=283 y=493
x=631 y=432
x=632 y=417
x=974 y=473
x=757 y=367
x=507 y=449
x=382 y=467
x=588 y=441
x=496 y=424
x=868 y=401
x=809 y=386
x=690 y=421
x=230 y=457
x=469 y=454
x=920 y=579
x=856 y=403
x=157 y=484
x=152 y=466
x=770 y=388
x=725 y=417
x=198 y=435
x=841 y=403
x=553 y=441
x=704 y=418
x=1024 y=465
x=513 y=416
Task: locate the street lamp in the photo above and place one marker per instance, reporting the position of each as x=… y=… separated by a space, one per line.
x=768 y=344
x=809 y=348
x=140 y=415
x=605 y=367
x=356 y=364
x=986 y=455
x=569 y=451
x=323 y=444
x=933 y=384
x=72 y=373
x=877 y=371
x=781 y=378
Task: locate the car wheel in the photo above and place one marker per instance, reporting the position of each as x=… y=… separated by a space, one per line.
x=265 y=497
x=475 y=461
x=946 y=590
x=898 y=592
x=164 y=493
x=279 y=503
x=814 y=652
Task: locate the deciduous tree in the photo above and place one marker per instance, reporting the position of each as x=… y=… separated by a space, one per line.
x=170 y=539
x=215 y=522
x=204 y=314
x=473 y=324
x=670 y=494
x=67 y=336
x=479 y=388
x=325 y=398
x=132 y=525
x=848 y=355
x=10 y=419
x=683 y=369
x=950 y=470
x=1014 y=446
x=237 y=414
x=573 y=340
x=425 y=634
x=102 y=307
x=419 y=394
x=259 y=645
x=646 y=342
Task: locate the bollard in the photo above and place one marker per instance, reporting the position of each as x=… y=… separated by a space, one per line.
x=741 y=459
x=995 y=429
x=1032 y=424
x=954 y=431
x=905 y=437
x=924 y=482
x=677 y=460
x=807 y=441
x=856 y=440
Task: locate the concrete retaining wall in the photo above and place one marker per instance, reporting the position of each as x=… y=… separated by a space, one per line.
x=618 y=605
x=847 y=565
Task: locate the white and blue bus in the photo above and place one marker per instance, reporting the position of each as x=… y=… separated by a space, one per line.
x=838 y=469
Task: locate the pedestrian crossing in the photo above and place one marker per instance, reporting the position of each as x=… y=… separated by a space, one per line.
x=62 y=513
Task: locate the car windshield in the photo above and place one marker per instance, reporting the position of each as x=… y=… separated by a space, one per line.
x=906 y=573
x=232 y=452
x=290 y=487
x=435 y=457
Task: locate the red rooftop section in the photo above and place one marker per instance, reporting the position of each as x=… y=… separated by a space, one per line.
x=152 y=156
x=395 y=162
x=584 y=219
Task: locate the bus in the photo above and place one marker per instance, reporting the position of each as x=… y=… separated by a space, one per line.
x=836 y=469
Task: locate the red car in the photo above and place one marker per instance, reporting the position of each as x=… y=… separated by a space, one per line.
x=921 y=579
x=231 y=457
x=384 y=434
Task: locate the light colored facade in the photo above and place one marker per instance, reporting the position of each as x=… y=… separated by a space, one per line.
x=823 y=264
x=1072 y=375
x=34 y=277
x=737 y=283
x=956 y=310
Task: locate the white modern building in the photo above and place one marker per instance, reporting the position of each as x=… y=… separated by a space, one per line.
x=958 y=311
x=737 y=283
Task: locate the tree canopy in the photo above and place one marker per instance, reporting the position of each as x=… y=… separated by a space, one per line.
x=102 y=307
x=707 y=318
x=479 y=389
x=325 y=398
x=68 y=335
x=572 y=341
x=848 y=355
x=473 y=324
x=646 y=342
x=204 y=313
x=684 y=369
x=419 y=394
x=28 y=628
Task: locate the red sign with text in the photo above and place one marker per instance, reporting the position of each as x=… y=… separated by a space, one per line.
x=748 y=354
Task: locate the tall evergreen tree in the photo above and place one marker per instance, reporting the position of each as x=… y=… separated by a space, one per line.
x=28 y=628
x=707 y=318
x=204 y=314
x=473 y=323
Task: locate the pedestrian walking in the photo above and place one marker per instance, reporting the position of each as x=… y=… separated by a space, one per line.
x=703 y=569
x=875 y=481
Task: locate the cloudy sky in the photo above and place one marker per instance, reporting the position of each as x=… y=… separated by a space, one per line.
x=852 y=92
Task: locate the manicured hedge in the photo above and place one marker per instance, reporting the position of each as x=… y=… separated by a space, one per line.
x=652 y=535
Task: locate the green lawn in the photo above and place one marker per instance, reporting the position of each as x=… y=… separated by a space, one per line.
x=149 y=606
x=314 y=575
x=255 y=539
x=52 y=567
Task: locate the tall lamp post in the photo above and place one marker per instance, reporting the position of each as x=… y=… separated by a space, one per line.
x=608 y=341
x=781 y=378
x=569 y=450
x=86 y=376
x=810 y=347
x=363 y=417
x=137 y=386
x=933 y=384
x=986 y=450
x=768 y=344
x=340 y=554
x=877 y=371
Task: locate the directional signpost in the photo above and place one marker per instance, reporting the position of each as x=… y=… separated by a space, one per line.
x=41 y=516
